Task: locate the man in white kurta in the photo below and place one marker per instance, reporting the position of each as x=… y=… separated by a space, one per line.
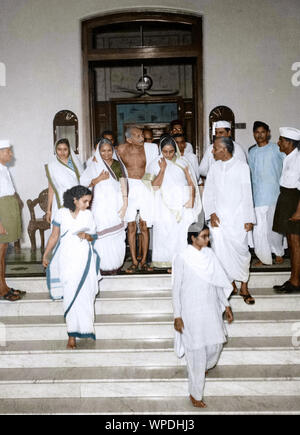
x=189 y=156
x=265 y=163
x=200 y=296
x=220 y=129
x=228 y=205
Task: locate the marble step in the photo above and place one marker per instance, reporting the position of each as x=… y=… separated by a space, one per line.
x=156 y=302
x=148 y=406
x=140 y=326
x=146 y=373
x=169 y=382
x=145 y=282
x=146 y=353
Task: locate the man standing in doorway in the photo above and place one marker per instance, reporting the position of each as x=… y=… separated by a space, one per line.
x=176 y=127
x=190 y=157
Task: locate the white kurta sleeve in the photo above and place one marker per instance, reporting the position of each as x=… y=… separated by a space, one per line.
x=222 y=298
x=177 y=279
x=208 y=198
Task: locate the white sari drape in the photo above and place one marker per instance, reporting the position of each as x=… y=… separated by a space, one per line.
x=73 y=272
x=62 y=177
x=107 y=201
x=171 y=217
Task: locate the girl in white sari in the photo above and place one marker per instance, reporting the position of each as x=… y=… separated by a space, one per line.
x=108 y=178
x=177 y=202
x=73 y=272
x=63 y=172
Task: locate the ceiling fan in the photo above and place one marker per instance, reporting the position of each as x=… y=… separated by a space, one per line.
x=145 y=82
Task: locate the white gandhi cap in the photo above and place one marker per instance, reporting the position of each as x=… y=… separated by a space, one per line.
x=4 y=143
x=290 y=133
x=220 y=124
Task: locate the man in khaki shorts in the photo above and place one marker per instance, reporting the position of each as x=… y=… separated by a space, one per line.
x=10 y=219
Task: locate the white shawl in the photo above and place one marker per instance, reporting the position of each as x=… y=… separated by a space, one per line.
x=61 y=177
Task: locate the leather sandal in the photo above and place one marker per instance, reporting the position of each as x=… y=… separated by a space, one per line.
x=17 y=292
x=247 y=298
x=10 y=296
x=146 y=268
x=132 y=268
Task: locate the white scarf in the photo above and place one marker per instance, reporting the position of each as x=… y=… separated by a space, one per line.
x=62 y=177
x=206 y=265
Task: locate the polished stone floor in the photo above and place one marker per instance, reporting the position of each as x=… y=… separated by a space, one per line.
x=27 y=263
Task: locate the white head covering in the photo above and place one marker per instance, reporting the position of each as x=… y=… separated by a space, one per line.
x=290 y=133
x=220 y=124
x=4 y=144
x=75 y=158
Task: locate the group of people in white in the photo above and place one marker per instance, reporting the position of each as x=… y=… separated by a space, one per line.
x=90 y=210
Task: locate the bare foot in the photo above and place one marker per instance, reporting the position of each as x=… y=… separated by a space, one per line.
x=198 y=403
x=71 y=343
x=258 y=263
x=279 y=260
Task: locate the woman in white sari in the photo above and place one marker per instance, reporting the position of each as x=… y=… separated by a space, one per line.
x=177 y=202
x=107 y=177
x=63 y=172
x=73 y=272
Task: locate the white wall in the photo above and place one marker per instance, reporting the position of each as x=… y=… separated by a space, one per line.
x=249 y=49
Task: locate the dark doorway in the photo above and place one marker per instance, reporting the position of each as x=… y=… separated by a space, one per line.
x=143 y=64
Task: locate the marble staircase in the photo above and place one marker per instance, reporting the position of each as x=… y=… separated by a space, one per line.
x=132 y=368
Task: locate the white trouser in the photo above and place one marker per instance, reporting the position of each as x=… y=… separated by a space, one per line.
x=198 y=362
x=265 y=240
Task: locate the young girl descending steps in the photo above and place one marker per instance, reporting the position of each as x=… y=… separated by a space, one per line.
x=73 y=271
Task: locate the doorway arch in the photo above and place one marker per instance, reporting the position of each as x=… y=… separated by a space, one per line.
x=163 y=51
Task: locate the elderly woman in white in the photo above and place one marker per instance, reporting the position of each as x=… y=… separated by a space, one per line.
x=107 y=176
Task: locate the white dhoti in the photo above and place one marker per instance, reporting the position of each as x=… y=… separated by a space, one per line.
x=198 y=362
x=228 y=195
x=139 y=198
x=265 y=240
x=231 y=247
